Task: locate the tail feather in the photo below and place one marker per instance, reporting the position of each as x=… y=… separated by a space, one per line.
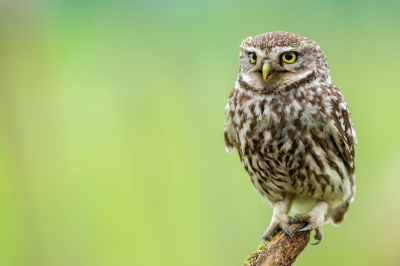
x=337 y=215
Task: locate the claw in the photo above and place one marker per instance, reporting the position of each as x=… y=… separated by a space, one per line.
x=288 y=233
x=305 y=229
x=316 y=243
x=263 y=239
x=291 y=221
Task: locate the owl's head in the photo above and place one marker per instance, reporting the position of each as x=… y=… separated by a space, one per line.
x=275 y=62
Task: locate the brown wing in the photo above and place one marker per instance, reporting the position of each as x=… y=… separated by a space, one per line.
x=229 y=147
x=343 y=136
x=230 y=127
x=341 y=129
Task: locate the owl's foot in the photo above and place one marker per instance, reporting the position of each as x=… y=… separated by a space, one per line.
x=280 y=219
x=315 y=220
x=279 y=222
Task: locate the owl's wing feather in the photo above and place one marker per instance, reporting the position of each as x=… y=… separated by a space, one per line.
x=230 y=128
x=341 y=128
x=229 y=147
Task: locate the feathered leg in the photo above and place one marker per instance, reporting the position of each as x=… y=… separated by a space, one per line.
x=280 y=219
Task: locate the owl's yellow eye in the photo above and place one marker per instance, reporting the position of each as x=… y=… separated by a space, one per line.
x=289 y=57
x=253 y=57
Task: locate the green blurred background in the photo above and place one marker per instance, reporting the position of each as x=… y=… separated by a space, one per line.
x=111 y=130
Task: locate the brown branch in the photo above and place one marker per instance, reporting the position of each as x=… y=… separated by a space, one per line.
x=281 y=250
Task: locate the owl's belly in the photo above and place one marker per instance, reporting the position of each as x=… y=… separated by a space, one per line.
x=298 y=166
x=285 y=148
x=302 y=204
x=268 y=175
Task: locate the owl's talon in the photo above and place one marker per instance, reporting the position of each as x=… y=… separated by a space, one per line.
x=319 y=241
x=305 y=229
x=263 y=240
x=291 y=221
x=287 y=231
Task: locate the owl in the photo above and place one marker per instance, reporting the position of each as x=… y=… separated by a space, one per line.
x=292 y=129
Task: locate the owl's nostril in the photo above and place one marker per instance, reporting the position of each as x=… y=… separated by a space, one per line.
x=263 y=61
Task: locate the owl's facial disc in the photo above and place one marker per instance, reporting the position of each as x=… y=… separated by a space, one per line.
x=280 y=61
x=270 y=70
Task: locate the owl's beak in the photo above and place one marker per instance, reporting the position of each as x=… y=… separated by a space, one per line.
x=267 y=71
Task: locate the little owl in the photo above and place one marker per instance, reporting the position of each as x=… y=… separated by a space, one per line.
x=293 y=132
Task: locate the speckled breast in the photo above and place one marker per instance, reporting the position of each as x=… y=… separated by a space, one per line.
x=284 y=145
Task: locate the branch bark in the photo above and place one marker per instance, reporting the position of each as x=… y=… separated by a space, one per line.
x=280 y=251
